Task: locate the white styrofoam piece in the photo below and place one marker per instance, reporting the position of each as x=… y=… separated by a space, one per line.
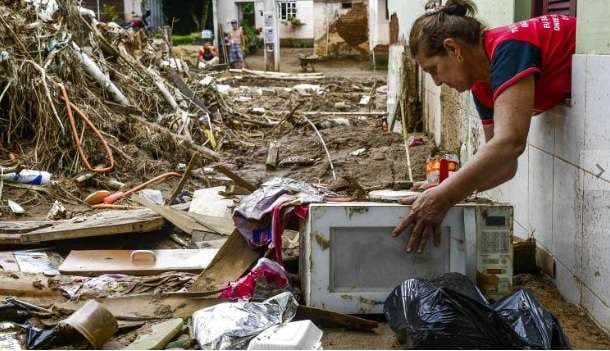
x=153 y=195
x=301 y=335
x=391 y=195
x=208 y=202
x=15 y=207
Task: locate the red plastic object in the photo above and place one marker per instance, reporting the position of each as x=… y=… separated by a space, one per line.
x=270 y=272
x=444 y=170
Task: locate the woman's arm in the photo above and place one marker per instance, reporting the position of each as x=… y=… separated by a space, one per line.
x=502 y=175
x=512 y=117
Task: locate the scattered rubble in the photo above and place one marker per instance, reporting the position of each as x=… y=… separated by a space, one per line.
x=138 y=193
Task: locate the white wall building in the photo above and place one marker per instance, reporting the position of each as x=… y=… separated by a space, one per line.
x=379 y=23
x=301 y=9
x=561 y=193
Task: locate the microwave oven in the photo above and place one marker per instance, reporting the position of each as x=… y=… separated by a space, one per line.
x=350 y=262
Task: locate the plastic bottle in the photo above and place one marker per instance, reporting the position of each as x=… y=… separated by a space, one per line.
x=438 y=168
x=28 y=176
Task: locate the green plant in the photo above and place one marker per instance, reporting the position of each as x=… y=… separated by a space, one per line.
x=252 y=42
x=110 y=13
x=295 y=22
x=184 y=39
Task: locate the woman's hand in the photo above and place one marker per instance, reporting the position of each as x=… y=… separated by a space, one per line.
x=425 y=217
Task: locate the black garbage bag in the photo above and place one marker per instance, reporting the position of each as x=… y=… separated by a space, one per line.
x=536 y=326
x=37 y=339
x=450 y=312
x=10 y=311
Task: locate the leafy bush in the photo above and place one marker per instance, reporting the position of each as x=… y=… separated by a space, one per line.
x=185 y=39
x=251 y=39
x=295 y=23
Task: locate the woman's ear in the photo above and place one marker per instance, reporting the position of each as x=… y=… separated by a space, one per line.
x=452 y=47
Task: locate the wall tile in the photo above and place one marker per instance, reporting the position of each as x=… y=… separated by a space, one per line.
x=568 y=284
x=595 y=265
x=597 y=309
x=541 y=196
x=520 y=230
x=567 y=213
x=542 y=131
x=597 y=122
x=520 y=199
x=570 y=121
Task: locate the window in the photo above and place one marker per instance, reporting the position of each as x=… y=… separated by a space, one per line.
x=288 y=10
x=554 y=7
x=346 y=5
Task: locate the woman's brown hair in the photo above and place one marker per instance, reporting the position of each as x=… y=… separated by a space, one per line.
x=455 y=19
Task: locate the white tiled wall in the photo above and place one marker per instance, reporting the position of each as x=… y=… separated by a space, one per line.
x=570 y=121
x=567 y=214
x=542 y=131
x=568 y=207
x=541 y=173
x=597 y=100
x=556 y=195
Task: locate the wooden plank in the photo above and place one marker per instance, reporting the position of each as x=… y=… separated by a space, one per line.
x=99 y=224
x=329 y=319
x=237 y=179
x=8 y=262
x=97 y=262
x=352 y=113
x=175 y=217
x=157 y=335
x=183 y=305
x=148 y=306
x=230 y=263
x=191 y=223
x=22 y=285
x=23 y=226
x=219 y=225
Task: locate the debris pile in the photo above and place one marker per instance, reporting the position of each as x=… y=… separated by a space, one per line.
x=71 y=83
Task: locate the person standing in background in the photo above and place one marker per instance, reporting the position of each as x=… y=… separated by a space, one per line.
x=236 y=44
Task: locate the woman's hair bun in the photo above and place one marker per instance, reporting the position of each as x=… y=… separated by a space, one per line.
x=459 y=8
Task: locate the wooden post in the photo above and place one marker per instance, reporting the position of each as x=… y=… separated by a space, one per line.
x=185 y=178
x=273 y=155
